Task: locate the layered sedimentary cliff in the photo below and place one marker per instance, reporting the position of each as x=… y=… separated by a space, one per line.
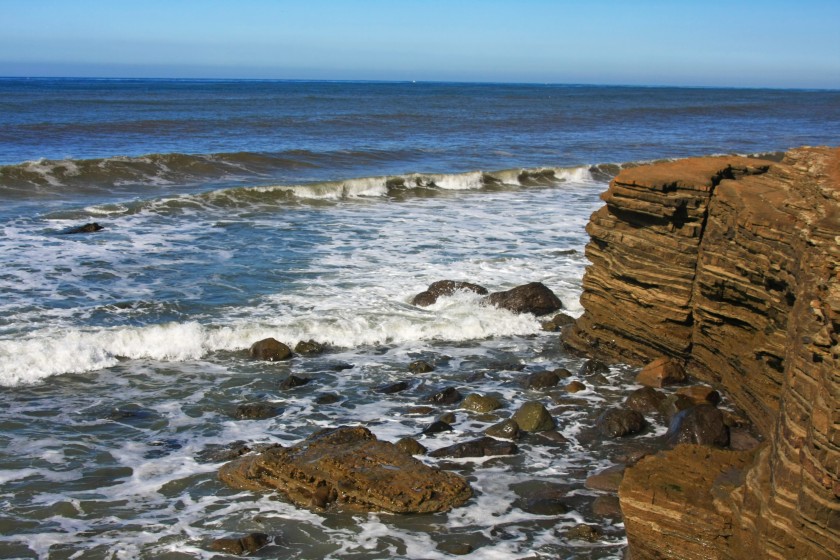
x=729 y=265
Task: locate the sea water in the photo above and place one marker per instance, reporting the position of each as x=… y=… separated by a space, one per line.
x=235 y=211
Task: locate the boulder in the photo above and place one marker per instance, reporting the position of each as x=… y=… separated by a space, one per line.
x=646 y=400
x=661 y=372
x=348 y=469
x=575 y=386
x=445 y=288
x=437 y=427
x=309 y=348
x=481 y=447
x=448 y=395
x=557 y=322
x=533 y=298
x=256 y=411
x=87 y=228
x=420 y=366
x=270 y=350
x=481 y=403
x=607 y=506
x=583 y=532
x=392 y=388
x=241 y=545
x=620 y=422
x=545 y=505
x=542 y=380
x=702 y=424
x=592 y=367
x=607 y=480
x=411 y=446
x=327 y=398
x=506 y=429
x=700 y=394
x=674 y=403
x=293 y=381
x=533 y=417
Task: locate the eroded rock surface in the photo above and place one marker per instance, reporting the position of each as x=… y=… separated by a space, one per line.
x=728 y=265
x=347 y=468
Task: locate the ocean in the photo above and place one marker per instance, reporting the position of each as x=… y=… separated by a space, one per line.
x=232 y=211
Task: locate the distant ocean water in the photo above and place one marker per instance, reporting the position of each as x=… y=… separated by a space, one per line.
x=238 y=210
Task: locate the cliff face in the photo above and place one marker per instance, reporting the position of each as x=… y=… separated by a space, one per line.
x=731 y=266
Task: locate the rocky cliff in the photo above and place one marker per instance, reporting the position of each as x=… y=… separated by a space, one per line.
x=729 y=265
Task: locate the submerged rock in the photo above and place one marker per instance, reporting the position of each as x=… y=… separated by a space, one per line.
x=293 y=381
x=392 y=388
x=420 y=366
x=557 y=322
x=481 y=447
x=533 y=298
x=445 y=288
x=583 y=532
x=542 y=380
x=271 y=350
x=348 y=469
x=241 y=545
x=87 y=228
x=309 y=348
x=437 y=427
x=448 y=395
x=256 y=411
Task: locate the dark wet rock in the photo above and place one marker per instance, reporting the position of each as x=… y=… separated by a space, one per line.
x=741 y=439
x=448 y=395
x=552 y=437
x=220 y=453
x=542 y=380
x=458 y=549
x=619 y=422
x=481 y=403
x=506 y=429
x=481 y=447
x=437 y=427
x=341 y=366
x=392 y=388
x=270 y=350
x=593 y=366
x=327 y=398
x=545 y=505
x=646 y=400
x=557 y=322
x=661 y=372
x=348 y=469
x=448 y=417
x=445 y=288
x=293 y=381
x=420 y=366
x=607 y=507
x=533 y=298
x=575 y=387
x=241 y=545
x=421 y=410
x=608 y=480
x=700 y=394
x=583 y=532
x=673 y=404
x=309 y=348
x=256 y=411
x=87 y=228
x=533 y=417
x=701 y=424
x=411 y=446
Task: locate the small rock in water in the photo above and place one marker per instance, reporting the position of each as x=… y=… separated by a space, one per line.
x=481 y=403
x=437 y=427
x=557 y=322
x=481 y=447
x=327 y=398
x=411 y=446
x=617 y=422
x=533 y=417
x=309 y=348
x=87 y=228
x=608 y=480
x=293 y=381
x=341 y=366
x=458 y=549
x=545 y=505
x=542 y=380
x=392 y=388
x=607 y=506
x=591 y=367
x=270 y=350
x=646 y=400
x=506 y=429
x=420 y=366
x=241 y=545
x=584 y=532
x=445 y=288
x=449 y=395
x=575 y=387
x=448 y=417
x=256 y=411
x=533 y=298
x=218 y=453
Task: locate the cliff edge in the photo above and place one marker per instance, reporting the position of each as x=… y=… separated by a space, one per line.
x=729 y=265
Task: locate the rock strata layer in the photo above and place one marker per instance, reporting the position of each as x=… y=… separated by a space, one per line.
x=729 y=265
x=347 y=468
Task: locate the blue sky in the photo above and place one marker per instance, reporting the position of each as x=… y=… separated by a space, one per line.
x=770 y=43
